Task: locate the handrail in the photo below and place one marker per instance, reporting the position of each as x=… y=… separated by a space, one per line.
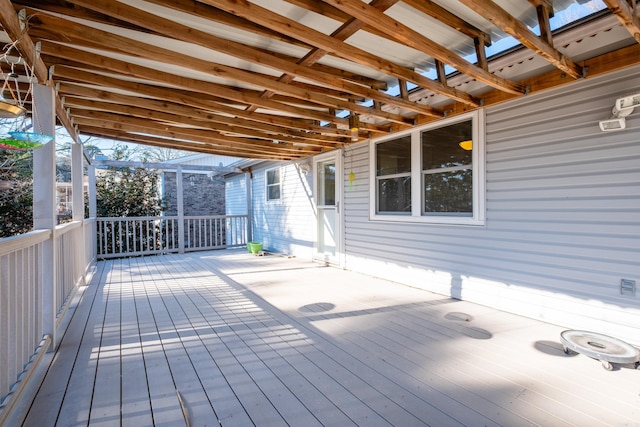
x=14 y=243
x=68 y=226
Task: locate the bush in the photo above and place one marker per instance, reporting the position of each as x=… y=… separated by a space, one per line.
x=16 y=192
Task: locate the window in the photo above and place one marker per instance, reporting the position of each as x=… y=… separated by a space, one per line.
x=273 y=183
x=431 y=174
x=393 y=175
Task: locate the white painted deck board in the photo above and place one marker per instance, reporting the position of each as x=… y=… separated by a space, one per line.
x=271 y=341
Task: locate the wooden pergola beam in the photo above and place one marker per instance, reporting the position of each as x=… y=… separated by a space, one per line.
x=329 y=44
x=626 y=12
x=345 y=31
x=166 y=115
x=182 y=32
x=418 y=41
x=436 y=11
x=82 y=35
x=112 y=65
x=203 y=101
x=515 y=28
x=136 y=124
x=176 y=144
x=84 y=97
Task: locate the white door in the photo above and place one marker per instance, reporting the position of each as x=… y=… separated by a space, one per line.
x=328 y=191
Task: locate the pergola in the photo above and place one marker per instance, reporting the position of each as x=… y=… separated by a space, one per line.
x=289 y=79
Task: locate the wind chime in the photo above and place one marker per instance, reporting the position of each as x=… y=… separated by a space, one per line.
x=12 y=107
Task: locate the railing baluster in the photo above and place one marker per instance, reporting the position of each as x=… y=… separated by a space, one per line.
x=149 y=235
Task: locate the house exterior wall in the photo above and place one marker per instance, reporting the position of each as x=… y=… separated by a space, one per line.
x=286 y=226
x=562 y=216
x=236 y=195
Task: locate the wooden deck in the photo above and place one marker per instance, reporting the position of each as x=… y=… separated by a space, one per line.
x=272 y=341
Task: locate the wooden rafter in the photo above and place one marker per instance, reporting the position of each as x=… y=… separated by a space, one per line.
x=173 y=115
x=441 y=14
x=626 y=12
x=327 y=43
x=515 y=28
x=200 y=101
x=135 y=124
x=346 y=30
x=81 y=34
x=271 y=86
x=175 y=143
x=416 y=40
x=229 y=47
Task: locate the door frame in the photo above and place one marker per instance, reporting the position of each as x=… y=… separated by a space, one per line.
x=338 y=259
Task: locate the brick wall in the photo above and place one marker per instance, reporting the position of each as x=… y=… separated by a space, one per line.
x=204 y=197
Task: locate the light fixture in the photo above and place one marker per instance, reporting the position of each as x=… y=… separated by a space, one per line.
x=629 y=101
x=612 y=124
x=192 y=181
x=623 y=107
x=354 y=125
x=466 y=145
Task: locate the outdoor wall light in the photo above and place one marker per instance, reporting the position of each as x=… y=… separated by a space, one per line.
x=621 y=109
x=616 y=123
x=629 y=101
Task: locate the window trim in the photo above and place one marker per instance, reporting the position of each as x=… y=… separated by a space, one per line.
x=416 y=215
x=266 y=184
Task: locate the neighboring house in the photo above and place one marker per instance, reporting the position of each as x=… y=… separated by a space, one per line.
x=203 y=191
x=541 y=217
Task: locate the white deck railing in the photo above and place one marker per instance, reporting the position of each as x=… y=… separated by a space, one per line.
x=21 y=329
x=39 y=272
x=134 y=236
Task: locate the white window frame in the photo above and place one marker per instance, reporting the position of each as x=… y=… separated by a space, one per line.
x=416 y=215
x=266 y=185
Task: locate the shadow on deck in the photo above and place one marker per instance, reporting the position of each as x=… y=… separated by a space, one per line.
x=272 y=341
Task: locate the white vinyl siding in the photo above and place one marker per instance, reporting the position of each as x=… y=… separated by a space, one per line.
x=562 y=215
x=287 y=227
x=236 y=195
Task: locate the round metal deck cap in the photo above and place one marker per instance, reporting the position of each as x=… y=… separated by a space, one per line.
x=601 y=347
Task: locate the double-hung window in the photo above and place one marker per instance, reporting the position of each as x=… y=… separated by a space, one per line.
x=434 y=173
x=273 y=184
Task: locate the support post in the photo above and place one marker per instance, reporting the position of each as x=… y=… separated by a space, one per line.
x=77 y=182
x=77 y=205
x=93 y=205
x=180 y=201
x=248 y=182
x=44 y=202
x=93 y=212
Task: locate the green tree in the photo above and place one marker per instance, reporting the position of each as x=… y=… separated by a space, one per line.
x=126 y=192
x=16 y=192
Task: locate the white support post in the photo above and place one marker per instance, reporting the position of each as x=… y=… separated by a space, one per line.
x=93 y=205
x=249 y=182
x=77 y=204
x=44 y=201
x=180 y=201
x=77 y=182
